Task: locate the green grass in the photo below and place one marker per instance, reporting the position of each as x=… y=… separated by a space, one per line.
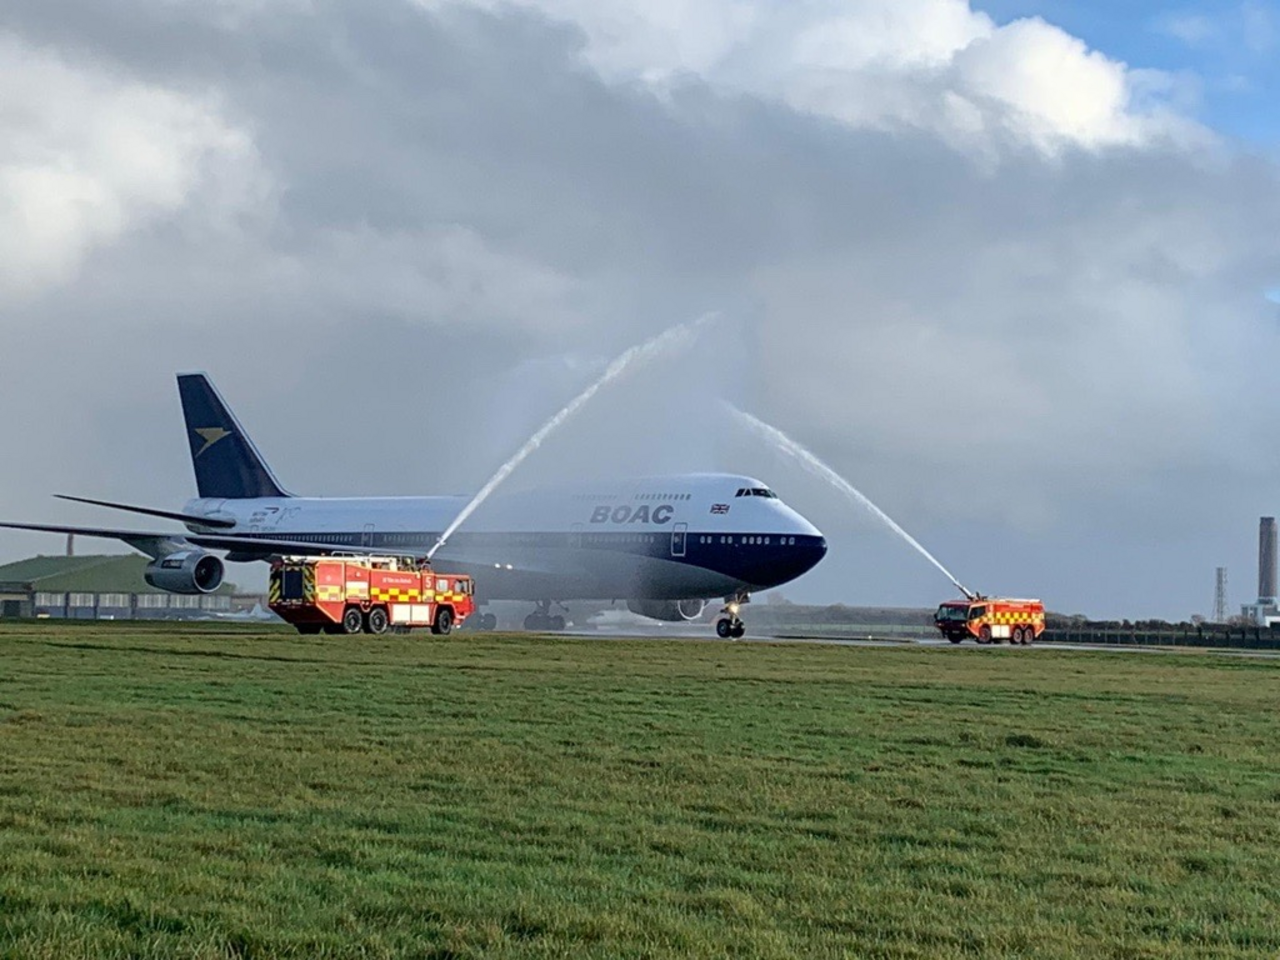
x=221 y=792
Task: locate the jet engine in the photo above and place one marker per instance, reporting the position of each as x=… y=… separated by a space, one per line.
x=187 y=571
x=671 y=610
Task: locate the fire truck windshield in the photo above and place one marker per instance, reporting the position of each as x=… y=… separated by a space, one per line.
x=952 y=613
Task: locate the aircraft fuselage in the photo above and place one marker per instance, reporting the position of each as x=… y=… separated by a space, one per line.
x=688 y=536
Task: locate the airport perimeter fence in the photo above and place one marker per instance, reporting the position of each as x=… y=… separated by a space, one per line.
x=1215 y=637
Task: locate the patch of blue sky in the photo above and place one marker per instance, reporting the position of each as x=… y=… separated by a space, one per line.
x=1224 y=56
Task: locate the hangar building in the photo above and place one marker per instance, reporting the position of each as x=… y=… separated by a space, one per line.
x=96 y=587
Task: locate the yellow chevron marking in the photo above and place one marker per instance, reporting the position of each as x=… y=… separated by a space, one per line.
x=210 y=436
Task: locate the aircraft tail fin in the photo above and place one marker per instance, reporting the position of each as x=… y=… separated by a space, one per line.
x=226 y=462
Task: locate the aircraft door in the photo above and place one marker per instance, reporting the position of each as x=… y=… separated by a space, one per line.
x=679 y=534
x=366 y=538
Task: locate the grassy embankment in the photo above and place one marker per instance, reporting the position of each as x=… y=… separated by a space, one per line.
x=202 y=792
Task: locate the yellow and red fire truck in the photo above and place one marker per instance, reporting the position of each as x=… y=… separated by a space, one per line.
x=368 y=594
x=991 y=620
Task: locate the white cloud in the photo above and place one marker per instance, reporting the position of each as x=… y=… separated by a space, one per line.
x=85 y=156
x=895 y=35
x=1055 y=90
x=1250 y=26
x=935 y=65
x=1190 y=28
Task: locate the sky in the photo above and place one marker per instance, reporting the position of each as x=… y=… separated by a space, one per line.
x=1003 y=265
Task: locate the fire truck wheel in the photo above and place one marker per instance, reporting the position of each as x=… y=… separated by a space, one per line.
x=444 y=621
x=378 y=620
x=984 y=635
x=1016 y=637
x=489 y=621
x=1028 y=636
x=352 y=620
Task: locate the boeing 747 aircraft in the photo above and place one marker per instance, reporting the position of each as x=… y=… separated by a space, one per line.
x=665 y=545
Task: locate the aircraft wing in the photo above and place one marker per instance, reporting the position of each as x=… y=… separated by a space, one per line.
x=161 y=544
x=214 y=522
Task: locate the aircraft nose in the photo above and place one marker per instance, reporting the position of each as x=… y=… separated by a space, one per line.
x=785 y=563
x=809 y=554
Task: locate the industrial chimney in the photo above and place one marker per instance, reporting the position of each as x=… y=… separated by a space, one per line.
x=1267 y=562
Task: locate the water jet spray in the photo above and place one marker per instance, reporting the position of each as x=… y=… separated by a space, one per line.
x=676 y=336
x=815 y=466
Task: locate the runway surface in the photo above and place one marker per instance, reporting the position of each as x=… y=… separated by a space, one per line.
x=698 y=633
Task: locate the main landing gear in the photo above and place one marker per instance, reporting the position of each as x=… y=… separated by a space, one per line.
x=729 y=625
x=542 y=620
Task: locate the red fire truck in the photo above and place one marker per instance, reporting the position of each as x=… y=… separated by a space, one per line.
x=368 y=594
x=991 y=620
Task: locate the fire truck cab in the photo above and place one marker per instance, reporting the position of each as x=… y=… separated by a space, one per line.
x=368 y=594
x=991 y=620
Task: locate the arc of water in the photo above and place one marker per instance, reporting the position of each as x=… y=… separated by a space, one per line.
x=671 y=338
x=815 y=466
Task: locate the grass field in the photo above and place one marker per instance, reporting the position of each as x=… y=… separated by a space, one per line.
x=224 y=792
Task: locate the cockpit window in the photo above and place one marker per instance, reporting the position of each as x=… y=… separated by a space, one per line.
x=756 y=492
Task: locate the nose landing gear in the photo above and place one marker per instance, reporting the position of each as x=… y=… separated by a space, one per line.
x=729 y=625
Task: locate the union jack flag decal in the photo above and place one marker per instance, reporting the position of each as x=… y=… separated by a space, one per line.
x=719 y=508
